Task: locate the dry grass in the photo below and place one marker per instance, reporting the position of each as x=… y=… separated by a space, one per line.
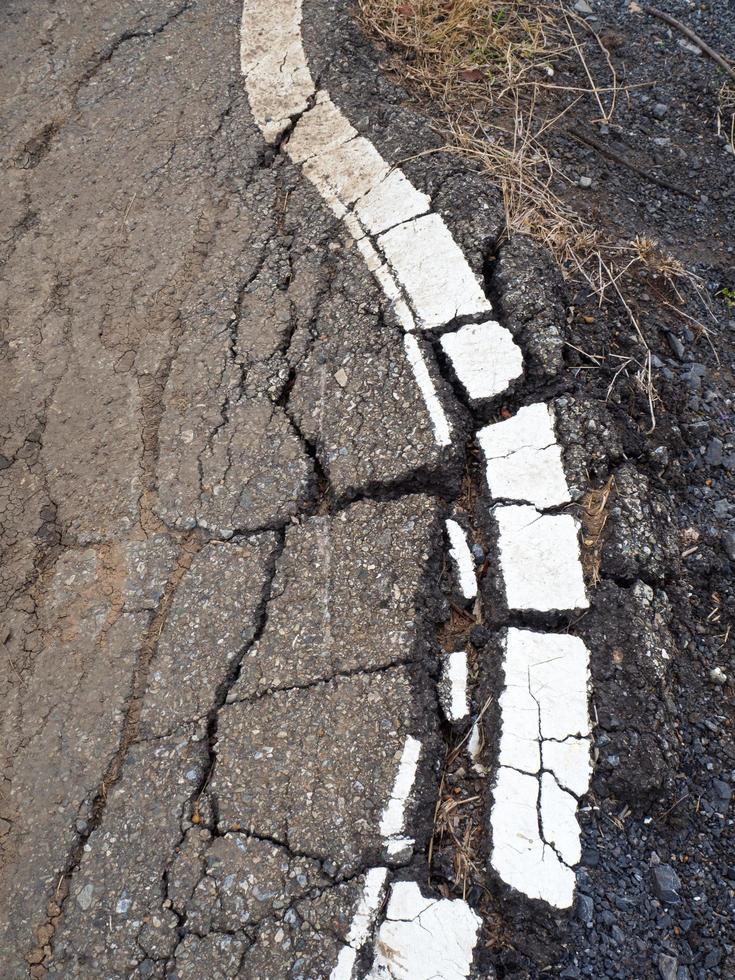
x=490 y=66
x=451 y=44
x=483 y=60
x=594 y=518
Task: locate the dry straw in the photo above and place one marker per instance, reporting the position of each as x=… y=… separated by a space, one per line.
x=491 y=67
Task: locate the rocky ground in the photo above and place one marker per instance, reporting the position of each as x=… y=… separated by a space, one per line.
x=224 y=574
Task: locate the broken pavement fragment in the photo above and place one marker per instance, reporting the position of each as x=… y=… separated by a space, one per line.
x=424 y=938
x=273 y=61
x=433 y=272
x=393 y=820
x=484 y=357
x=544 y=758
x=523 y=459
x=453 y=687
x=356 y=401
x=323 y=793
x=539 y=560
x=349 y=595
x=519 y=856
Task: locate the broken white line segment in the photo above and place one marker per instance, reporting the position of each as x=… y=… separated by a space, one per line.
x=362 y=924
x=544 y=759
x=453 y=686
x=439 y=421
x=524 y=459
x=393 y=819
x=539 y=560
x=424 y=938
x=484 y=357
x=460 y=553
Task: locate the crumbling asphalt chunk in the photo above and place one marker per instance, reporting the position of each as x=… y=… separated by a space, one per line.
x=349 y=595
x=591 y=441
x=531 y=304
x=627 y=633
x=323 y=793
x=641 y=538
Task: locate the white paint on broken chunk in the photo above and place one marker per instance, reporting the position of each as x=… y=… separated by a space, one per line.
x=523 y=458
x=519 y=855
x=347 y=171
x=484 y=357
x=424 y=938
x=570 y=762
x=433 y=272
x=439 y=421
x=539 y=559
x=453 y=686
x=460 y=553
x=544 y=726
x=559 y=820
x=273 y=61
x=549 y=673
x=393 y=819
x=391 y=201
x=323 y=128
x=519 y=739
x=363 y=922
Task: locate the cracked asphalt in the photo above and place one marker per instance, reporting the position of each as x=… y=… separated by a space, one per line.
x=228 y=599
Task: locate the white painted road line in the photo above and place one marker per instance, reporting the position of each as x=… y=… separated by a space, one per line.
x=425 y=268
x=390 y=202
x=433 y=272
x=520 y=856
x=425 y=276
x=459 y=552
x=570 y=762
x=393 y=820
x=484 y=357
x=523 y=459
x=442 y=430
x=424 y=938
x=539 y=560
x=273 y=60
x=544 y=751
x=362 y=924
x=453 y=687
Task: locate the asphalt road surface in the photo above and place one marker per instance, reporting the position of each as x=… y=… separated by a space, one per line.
x=290 y=555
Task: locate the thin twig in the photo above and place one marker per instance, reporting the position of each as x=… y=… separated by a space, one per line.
x=655 y=12
x=616 y=158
